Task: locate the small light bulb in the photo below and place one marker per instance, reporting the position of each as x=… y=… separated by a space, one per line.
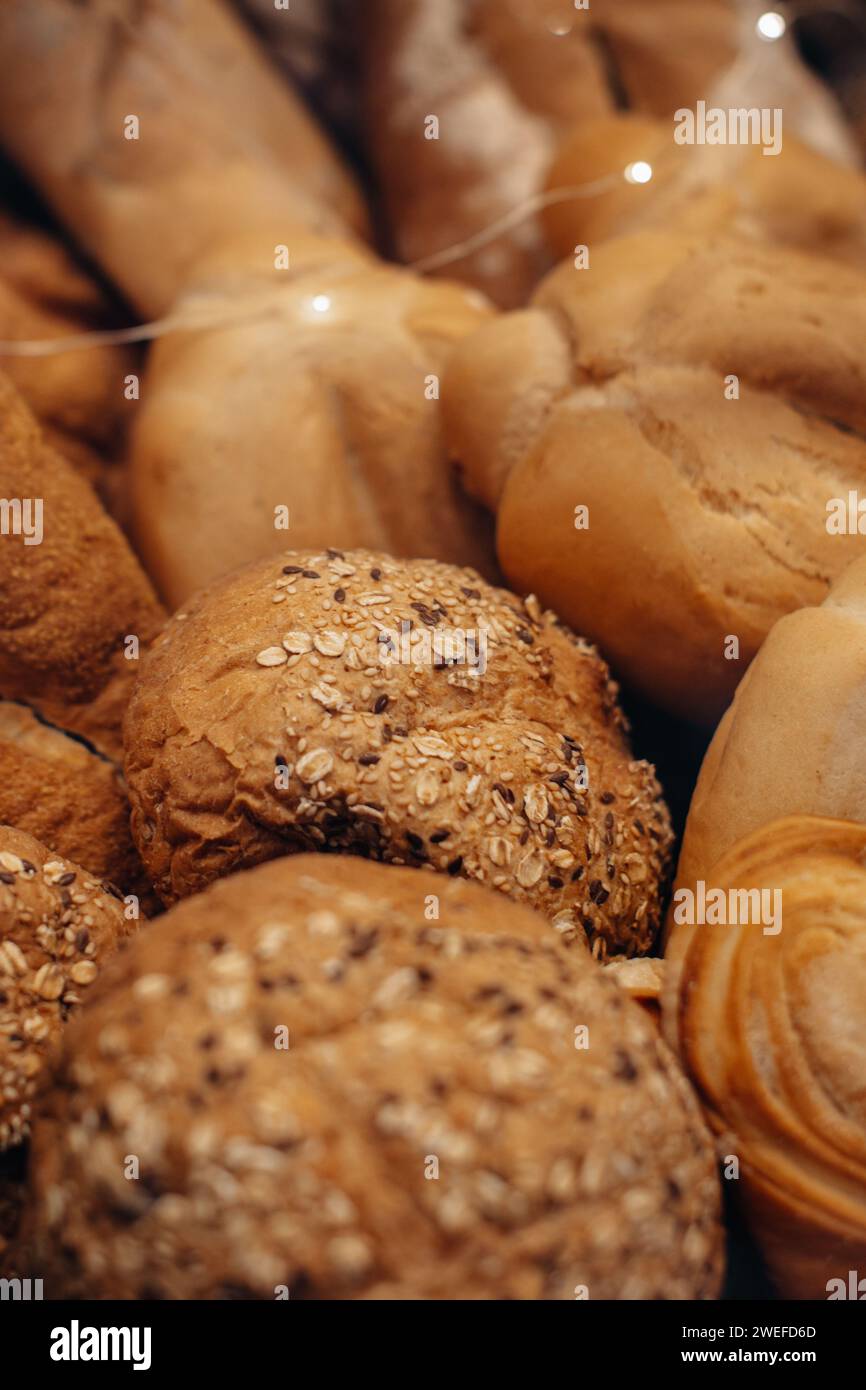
x=771 y=25
x=559 y=30
x=321 y=303
x=638 y=172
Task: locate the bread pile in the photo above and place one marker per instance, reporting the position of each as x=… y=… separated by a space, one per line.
x=342 y=954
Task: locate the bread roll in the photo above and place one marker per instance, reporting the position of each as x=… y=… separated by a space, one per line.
x=319 y=366
x=222 y=146
x=70 y=599
x=57 y=789
x=78 y=397
x=330 y=1096
x=797 y=197
x=505 y=83
x=57 y=926
x=318 y=409
x=790 y=743
x=769 y=1026
x=285 y=709
x=702 y=402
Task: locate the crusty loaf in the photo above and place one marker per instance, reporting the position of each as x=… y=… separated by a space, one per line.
x=702 y=402
x=326 y=1094
x=790 y=743
x=57 y=926
x=797 y=197
x=57 y=789
x=272 y=717
x=769 y=1026
x=310 y=402
x=505 y=82
x=222 y=145
x=69 y=601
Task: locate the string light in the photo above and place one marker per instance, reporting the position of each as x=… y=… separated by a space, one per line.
x=638 y=172
x=771 y=26
x=321 y=303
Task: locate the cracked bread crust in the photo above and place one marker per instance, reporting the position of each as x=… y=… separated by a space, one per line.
x=707 y=514
x=409 y=1040
x=265 y=722
x=56 y=788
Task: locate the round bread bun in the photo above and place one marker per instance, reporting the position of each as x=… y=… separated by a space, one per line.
x=68 y=601
x=57 y=926
x=661 y=434
x=338 y=426
x=271 y=717
x=299 y=1084
x=769 y=1026
x=55 y=787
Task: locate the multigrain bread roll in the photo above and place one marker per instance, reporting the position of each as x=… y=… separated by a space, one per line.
x=57 y=926
x=78 y=397
x=220 y=142
x=660 y=435
x=57 y=789
x=769 y=1026
x=71 y=590
x=312 y=416
x=402 y=711
x=789 y=744
x=797 y=196
x=328 y=1095
x=505 y=83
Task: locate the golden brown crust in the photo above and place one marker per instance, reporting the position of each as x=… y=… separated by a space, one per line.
x=279 y=675
x=57 y=926
x=68 y=602
x=769 y=1028
x=797 y=197
x=707 y=513
x=55 y=788
x=338 y=425
x=78 y=396
x=789 y=743
x=505 y=82
x=228 y=148
x=411 y=1043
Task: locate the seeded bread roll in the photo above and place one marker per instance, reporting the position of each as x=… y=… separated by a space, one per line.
x=660 y=435
x=769 y=1026
x=56 y=788
x=278 y=713
x=57 y=926
x=797 y=196
x=330 y=1095
x=67 y=601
